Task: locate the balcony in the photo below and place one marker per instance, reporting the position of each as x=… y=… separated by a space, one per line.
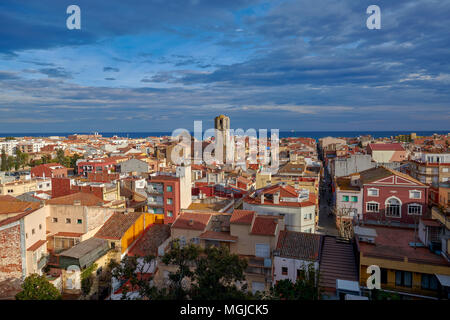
x=42 y=262
x=260 y=266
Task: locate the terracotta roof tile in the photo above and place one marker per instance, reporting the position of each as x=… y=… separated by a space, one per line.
x=193 y=221
x=149 y=242
x=299 y=245
x=242 y=217
x=84 y=198
x=264 y=225
x=116 y=226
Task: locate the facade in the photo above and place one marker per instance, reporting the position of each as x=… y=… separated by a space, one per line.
x=388 y=196
x=50 y=170
x=432 y=169
x=23 y=244
x=19 y=187
x=74 y=218
x=133 y=166
x=294 y=253
x=386 y=152
x=297 y=206
x=409 y=271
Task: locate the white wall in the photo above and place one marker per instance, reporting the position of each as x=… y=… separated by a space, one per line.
x=292 y=265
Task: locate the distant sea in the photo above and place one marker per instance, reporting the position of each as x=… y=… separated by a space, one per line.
x=283 y=134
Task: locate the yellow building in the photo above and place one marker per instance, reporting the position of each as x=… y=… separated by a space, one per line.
x=413 y=272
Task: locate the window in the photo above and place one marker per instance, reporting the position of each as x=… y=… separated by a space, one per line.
x=40 y=227
x=169 y=189
x=414 y=209
x=195 y=240
x=262 y=250
x=372 y=207
x=113 y=245
x=26 y=235
x=284 y=271
x=32 y=231
x=169 y=200
x=384 y=275
x=354 y=199
x=414 y=194
x=79 y=221
x=305 y=216
x=372 y=192
x=68 y=220
x=345 y=198
x=444 y=169
x=403 y=278
x=429 y=282
x=393 y=207
x=55 y=220
x=310 y=216
x=169 y=213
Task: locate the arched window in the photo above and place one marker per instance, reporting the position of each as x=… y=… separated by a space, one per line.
x=393 y=207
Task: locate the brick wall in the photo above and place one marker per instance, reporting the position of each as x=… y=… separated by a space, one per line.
x=10 y=257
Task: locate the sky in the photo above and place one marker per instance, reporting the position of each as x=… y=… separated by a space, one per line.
x=304 y=65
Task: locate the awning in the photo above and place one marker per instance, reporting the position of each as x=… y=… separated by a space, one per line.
x=444 y=280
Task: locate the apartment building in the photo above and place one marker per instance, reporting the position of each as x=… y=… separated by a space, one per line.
x=387 y=196
x=74 y=218
x=413 y=271
x=297 y=206
x=386 y=152
x=23 y=244
x=18 y=187
x=168 y=194
x=294 y=253
x=50 y=170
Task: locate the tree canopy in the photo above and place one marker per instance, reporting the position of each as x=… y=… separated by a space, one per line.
x=36 y=287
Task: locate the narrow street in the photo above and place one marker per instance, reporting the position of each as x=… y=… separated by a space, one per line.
x=326 y=219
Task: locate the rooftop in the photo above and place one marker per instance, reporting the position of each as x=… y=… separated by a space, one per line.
x=81 y=198
x=299 y=245
x=151 y=239
x=116 y=226
x=393 y=243
x=242 y=217
x=192 y=221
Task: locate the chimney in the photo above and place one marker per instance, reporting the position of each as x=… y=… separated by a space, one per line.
x=354 y=179
x=276 y=198
x=262 y=198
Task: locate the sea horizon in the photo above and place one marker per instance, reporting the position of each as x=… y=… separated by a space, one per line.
x=282 y=133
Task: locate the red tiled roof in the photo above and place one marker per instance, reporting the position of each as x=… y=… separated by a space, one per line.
x=149 y=242
x=116 y=226
x=215 y=235
x=299 y=245
x=36 y=245
x=8 y=198
x=86 y=199
x=242 y=217
x=193 y=221
x=264 y=225
x=386 y=147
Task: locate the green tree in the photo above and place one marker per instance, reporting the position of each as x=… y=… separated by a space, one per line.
x=305 y=288
x=18 y=159
x=216 y=274
x=210 y=273
x=4 y=158
x=10 y=162
x=46 y=158
x=36 y=287
x=61 y=158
